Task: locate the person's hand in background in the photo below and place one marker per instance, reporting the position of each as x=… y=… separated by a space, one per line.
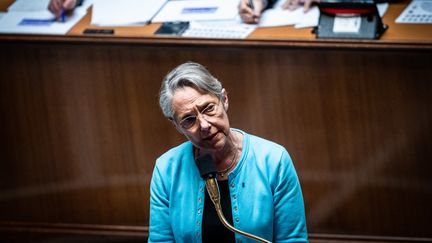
x=294 y=4
x=58 y=6
x=250 y=10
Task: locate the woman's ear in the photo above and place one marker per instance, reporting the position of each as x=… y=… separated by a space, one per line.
x=225 y=99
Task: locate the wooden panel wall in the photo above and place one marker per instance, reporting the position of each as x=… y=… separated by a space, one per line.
x=80 y=130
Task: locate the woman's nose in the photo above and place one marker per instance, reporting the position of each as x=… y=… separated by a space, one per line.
x=204 y=124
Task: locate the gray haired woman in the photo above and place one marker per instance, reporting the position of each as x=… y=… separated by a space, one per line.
x=259 y=187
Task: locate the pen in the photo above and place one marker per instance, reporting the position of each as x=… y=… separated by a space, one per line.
x=254 y=15
x=251 y=4
x=62 y=15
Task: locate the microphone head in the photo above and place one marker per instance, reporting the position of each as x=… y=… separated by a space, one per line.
x=206 y=166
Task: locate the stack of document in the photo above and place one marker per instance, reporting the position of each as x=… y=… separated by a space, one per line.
x=33 y=17
x=140 y=12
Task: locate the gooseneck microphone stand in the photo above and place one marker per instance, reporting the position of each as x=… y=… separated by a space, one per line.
x=208 y=173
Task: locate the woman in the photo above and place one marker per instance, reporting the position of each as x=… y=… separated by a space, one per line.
x=260 y=191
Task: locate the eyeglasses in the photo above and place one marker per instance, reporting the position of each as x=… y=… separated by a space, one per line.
x=210 y=110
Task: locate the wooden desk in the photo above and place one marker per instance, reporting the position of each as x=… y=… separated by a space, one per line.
x=418 y=36
x=397 y=36
x=80 y=128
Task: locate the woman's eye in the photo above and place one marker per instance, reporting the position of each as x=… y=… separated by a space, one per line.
x=209 y=108
x=188 y=121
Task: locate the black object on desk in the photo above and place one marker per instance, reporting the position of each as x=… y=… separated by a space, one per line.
x=349 y=19
x=99 y=31
x=172 y=28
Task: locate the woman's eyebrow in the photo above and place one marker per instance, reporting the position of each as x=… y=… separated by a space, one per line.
x=200 y=108
x=186 y=114
x=204 y=105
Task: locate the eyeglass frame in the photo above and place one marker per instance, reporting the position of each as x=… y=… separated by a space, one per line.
x=200 y=113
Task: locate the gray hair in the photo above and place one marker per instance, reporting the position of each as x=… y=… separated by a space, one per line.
x=188 y=74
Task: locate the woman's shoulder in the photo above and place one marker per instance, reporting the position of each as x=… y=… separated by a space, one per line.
x=175 y=154
x=268 y=155
x=265 y=150
x=264 y=144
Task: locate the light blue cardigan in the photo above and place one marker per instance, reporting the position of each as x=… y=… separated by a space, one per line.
x=266 y=198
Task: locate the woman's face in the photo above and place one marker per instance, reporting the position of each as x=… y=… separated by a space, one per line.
x=202 y=118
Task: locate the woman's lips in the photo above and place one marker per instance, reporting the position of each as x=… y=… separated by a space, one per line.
x=211 y=136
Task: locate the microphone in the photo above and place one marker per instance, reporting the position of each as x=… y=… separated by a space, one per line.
x=208 y=172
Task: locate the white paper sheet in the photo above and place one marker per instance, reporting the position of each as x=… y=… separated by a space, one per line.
x=219 y=29
x=194 y=10
x=309 y=19
x=39 y=5
x=125 y=12
x=346 y=25
x=37 y=22
x=29 y=5
x=382 y=8
x=280 y=17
